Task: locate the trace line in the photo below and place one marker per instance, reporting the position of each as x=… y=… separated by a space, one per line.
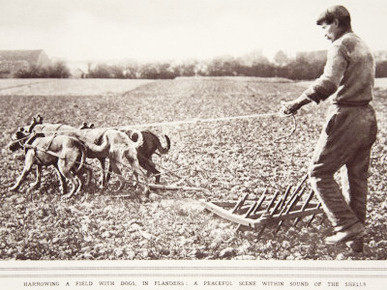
x=198 y=120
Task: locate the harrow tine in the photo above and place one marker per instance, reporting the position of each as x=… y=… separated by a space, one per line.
x=272 y=201
x=292 y=197
x=312 y=218
x=291 y=204
x=261 y=231
x=250 y=211
x=254 y=207
x=322 y=219
x=301 y=183
x=260 y=202
x=268 y=214
x=283 y=204
x=277 y=206
x=308 y=199
x=286 y=194
x=240 y=203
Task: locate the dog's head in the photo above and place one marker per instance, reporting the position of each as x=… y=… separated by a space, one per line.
x=23 y=137
x=37 y=120
x=86 y=126
x=19 y=140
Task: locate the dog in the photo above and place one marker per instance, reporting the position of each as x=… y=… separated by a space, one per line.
x=151 y=143
x=65 y=153
x=116 y=146
x=88 y=136
x=145 y=152
x=101 y=144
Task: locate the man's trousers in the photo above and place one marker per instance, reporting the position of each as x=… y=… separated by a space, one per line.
x=345 y=143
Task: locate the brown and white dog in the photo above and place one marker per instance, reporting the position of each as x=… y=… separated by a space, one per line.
x=117 y=146
x=65 y=153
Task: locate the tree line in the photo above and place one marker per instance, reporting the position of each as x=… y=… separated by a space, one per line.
x=57 y=70
x=300 y=68
x=305 y=66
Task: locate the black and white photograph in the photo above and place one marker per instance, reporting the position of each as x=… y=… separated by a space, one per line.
x=192 y=144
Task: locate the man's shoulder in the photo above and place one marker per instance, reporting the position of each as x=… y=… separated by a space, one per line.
x=351 y=42
x=350 y=39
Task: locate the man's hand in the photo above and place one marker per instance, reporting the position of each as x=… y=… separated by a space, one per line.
x=289 y=108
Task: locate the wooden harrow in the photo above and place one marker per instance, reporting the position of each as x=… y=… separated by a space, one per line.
x=257 y=214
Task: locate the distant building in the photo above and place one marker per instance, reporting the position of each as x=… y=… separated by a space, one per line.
x=78 y=74
x=11 y=61
x=79 y=69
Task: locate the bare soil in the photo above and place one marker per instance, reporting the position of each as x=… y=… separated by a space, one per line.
x=229 y=158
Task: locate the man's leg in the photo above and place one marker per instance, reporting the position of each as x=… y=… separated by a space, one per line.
x=355 y=189
x=328 y=191
x=354 y=182
x=334 y=148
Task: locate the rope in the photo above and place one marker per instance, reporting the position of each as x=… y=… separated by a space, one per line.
x=276 y=140
x=24 y=138
x=200 y=120
x=182 y=122
x=36 y=148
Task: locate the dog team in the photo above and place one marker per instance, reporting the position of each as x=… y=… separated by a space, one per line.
x=66 y=149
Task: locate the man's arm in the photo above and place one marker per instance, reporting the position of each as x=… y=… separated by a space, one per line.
x=324 y=86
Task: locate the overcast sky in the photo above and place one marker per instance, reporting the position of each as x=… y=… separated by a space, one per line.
x=177 y=29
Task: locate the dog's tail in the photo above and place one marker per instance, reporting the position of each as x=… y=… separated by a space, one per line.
x=96 y=148
x=83 y=149
x=165 y=150
x=140 y=138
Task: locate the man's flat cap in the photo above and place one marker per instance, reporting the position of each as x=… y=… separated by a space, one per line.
x=334 y=12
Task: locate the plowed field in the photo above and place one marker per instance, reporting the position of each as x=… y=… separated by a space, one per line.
x=228 y=157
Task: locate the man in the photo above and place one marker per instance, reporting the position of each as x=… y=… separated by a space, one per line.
x=350 y=129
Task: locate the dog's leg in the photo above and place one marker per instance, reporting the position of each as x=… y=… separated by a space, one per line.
x=144 y=164
x=137 y=170
x=29 y=161
x=36 y=184
x=104 y=179
x=100 y=152
x=79 y=181
x=62 y=181
x=75 y=184
x=150 y=166
x=81 y=169
x=64 y=167
x=113 y=167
